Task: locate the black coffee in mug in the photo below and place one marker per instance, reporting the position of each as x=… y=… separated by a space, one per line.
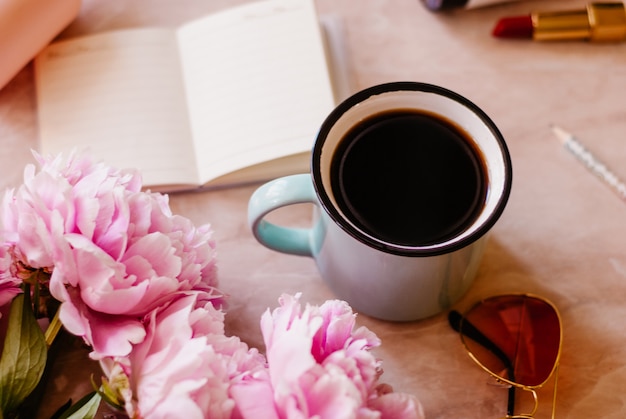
x=409 y=177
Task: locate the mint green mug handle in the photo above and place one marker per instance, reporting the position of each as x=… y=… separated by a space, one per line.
x=281 y=192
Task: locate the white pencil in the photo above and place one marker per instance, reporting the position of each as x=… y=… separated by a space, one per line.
x=594 y=165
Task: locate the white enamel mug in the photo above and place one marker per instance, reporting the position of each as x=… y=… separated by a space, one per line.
x=388 y=279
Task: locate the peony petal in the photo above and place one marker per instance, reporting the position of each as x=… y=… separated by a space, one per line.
x=72 y=320
x=114 y=336
x=254 y=399
x=157 y=249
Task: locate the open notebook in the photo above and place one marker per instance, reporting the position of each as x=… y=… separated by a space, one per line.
x=233 y=97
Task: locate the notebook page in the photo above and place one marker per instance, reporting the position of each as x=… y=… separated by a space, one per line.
x=258 y=85
x=118 y=95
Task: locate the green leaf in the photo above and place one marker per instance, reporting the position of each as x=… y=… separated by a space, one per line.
x=23 y=357
x=85 y=408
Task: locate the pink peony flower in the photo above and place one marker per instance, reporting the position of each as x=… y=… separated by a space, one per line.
x=115 y=253
x=185 y=364
x=162 y=255
x=319 y=366
x=57 y=200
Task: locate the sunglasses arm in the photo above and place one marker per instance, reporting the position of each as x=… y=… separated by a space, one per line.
x=464 y=327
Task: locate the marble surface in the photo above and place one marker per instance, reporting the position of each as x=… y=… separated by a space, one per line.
x=562 y=235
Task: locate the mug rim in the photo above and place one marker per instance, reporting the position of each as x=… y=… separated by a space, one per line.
x=403 y=250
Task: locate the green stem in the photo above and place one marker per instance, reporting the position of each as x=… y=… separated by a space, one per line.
x=53 y=329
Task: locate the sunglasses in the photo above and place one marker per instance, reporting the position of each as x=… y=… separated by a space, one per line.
x=516 y=339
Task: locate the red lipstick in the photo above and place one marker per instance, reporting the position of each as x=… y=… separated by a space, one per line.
x=514 y=27
x=599 y=22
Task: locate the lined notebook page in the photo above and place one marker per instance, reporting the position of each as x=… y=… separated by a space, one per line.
x=119 y=95
x=257 y=82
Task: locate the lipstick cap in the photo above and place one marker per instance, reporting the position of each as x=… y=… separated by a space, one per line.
x=599 y=22
x=607 y=21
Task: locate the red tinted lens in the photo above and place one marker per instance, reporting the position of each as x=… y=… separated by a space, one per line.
x=521 y=337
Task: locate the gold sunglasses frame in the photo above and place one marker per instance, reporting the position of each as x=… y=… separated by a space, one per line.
x=532 y=389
